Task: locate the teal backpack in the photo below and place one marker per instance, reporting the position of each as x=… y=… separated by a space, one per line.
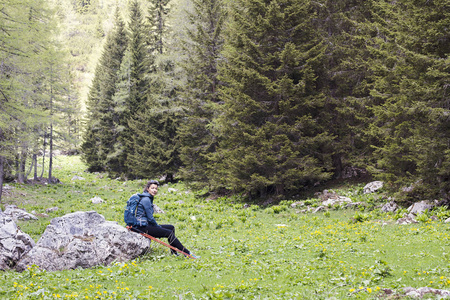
x=129 y=215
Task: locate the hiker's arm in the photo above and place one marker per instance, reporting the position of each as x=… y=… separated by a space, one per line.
x=148 y=207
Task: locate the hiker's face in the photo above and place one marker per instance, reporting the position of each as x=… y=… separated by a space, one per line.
x=153 y=189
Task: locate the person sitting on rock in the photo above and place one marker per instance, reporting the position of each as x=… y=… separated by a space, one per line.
x=148 y=223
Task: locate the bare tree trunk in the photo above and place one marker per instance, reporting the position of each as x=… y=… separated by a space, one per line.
x=43 y=155
x=51 y=137
x=35 y=167
x=51 y=155
x=31 y=168
x=22 y=160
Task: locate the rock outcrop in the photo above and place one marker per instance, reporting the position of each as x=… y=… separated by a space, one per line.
x=83 y=239
x=13 y=242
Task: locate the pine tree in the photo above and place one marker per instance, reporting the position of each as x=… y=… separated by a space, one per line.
x=201 y=47
x=272 y=138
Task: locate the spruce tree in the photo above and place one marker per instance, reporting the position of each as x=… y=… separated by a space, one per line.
x=155 y=148
x=201 y=48
x=272 y=137
x=100 y=135
x=410 y=116
x=139 y=68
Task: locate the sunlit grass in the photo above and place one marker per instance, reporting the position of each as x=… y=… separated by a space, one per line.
x=246 y=253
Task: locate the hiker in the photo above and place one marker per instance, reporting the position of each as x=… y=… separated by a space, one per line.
x=148 y=224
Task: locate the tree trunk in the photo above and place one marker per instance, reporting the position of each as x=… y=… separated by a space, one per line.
x=337 y=164
x=35 y=167
x=22 y=161
x=43 y=155
x=51 y=155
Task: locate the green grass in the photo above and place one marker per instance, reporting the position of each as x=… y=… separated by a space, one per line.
x=246 y=253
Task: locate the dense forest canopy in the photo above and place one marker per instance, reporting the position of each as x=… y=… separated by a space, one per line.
x=262 y=97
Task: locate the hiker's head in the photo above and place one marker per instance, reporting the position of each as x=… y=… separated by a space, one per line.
x=152 y=187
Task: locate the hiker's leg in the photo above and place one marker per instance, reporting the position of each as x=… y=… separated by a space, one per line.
x=171 y=228
x=167 y=231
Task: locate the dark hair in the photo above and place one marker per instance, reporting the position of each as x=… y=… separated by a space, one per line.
x=150 y=183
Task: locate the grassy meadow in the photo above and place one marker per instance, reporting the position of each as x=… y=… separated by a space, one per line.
x=247 y=251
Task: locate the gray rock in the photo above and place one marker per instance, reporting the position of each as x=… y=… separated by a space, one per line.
x=18 y=214
x=51 y=209
x=391 y=206
x=298 y=203
x=408 y=219
x=372 y=187
x=318 y=209
x=13 y=243
x=420 y=207
x=337 y=200
x=97 y=200
x=423 y=291
x=76 y=177
x=83 y=239
x=354 y=205
x=157 y=210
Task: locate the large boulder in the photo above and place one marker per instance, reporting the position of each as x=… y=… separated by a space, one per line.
x=83 y=239
x=13 y=242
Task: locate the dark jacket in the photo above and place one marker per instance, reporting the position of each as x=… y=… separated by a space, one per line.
x=144 y=213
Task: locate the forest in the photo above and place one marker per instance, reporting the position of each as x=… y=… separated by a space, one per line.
x=263 y=98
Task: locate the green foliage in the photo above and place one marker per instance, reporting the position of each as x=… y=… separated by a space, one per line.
x=157 y=142
x=38 y=107
x=304 y=90
x=271 y=134
x=201 y=46
x=101 y=133
x=408 y=93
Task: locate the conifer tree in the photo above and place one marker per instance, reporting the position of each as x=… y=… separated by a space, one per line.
x=155 y=148
x=201 y=48
x=32 y=82
x=272 y=138
x=117 y=158
x=100 y=135
x=410 y=118
x=136 y=97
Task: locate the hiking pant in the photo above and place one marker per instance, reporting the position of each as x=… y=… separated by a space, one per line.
x=166 y=231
